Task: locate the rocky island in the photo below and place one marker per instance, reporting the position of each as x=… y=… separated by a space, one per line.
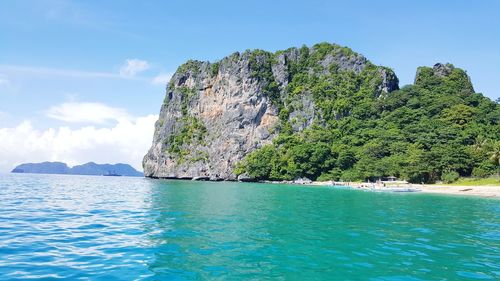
x=89 y=168
x=322 y=112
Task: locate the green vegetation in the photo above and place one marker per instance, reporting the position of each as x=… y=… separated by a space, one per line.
x=189 y=66
x=260 y=64
x=186 y=95
x=171 y=85
x=436 y=129
x=449 y=177
x=198 y=156
x=214 y=68
x=191 y=131
x=493 y=181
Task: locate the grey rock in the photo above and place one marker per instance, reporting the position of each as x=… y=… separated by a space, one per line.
x=232 y=106
x=442 y=70
x=389 y=82
x=439 y=70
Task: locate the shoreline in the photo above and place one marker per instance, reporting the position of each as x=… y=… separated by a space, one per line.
x=487 y=191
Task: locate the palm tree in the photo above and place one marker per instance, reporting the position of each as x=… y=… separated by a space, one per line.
x=495 y=153
x=495 y=156
x=480 y=143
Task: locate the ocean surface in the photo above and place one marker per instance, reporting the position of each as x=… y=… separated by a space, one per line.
x=121 y=228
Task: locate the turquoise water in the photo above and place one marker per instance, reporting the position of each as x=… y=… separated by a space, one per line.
x=116 y=228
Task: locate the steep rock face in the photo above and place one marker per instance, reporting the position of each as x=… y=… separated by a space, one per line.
x=216 y=113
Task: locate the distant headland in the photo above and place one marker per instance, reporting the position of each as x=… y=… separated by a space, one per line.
x=90 y=168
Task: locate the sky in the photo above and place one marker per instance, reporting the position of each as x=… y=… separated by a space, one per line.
x=84 y=81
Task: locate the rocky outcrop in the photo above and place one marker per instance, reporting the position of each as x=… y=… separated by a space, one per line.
x=439 y=70
x=216 y=113
x=427 y=76
x=442 y=70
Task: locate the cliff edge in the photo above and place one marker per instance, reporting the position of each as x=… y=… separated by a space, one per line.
x=214 y=114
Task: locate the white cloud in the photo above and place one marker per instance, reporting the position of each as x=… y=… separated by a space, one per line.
x=126 y=142
x=4 y=81
x=162 y=78
x=132 y=67
x=86 y=112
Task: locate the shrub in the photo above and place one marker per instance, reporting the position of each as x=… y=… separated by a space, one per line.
x=449 y=177
x=484 y=170
x=351 y=175
x=214 y=68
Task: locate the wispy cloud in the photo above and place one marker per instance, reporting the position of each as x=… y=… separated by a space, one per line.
x=58 y=72
x=5 y=118
x=86 y=112
x=4 y=81
x=162 y=78
x=7 y=85
x=133 y=66
x=127 y=141
x=47 y=71
x=3 y=115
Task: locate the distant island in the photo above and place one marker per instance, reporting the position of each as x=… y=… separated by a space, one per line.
x=90 y=168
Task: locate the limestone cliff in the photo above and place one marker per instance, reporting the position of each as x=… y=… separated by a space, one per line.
x=216 y=113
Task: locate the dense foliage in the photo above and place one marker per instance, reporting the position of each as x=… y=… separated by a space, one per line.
x=191 y=131
x=436 y=129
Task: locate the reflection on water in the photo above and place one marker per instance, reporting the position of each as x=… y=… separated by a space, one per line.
x=108 y=228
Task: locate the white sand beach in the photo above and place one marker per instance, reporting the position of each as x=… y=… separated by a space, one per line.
x=483 y=191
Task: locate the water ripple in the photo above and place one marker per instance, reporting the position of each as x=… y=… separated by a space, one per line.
x=107 y=228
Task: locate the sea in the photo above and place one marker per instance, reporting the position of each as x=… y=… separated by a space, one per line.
x=122 y=228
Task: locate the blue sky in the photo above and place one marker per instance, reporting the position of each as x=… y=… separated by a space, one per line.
x=62 y=60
